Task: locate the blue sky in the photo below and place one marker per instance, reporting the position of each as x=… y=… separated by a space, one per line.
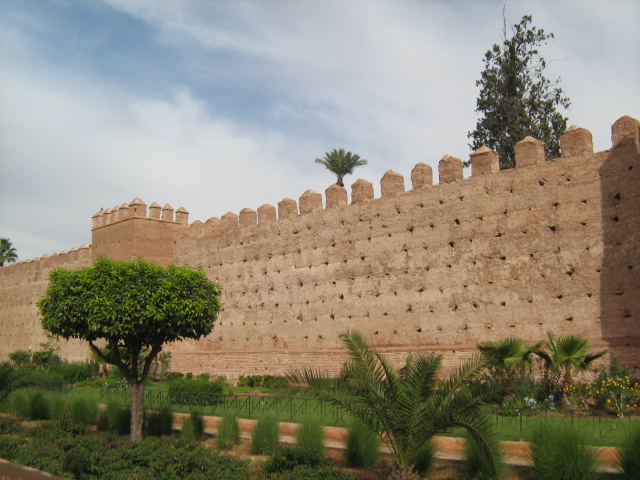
x=220 y=105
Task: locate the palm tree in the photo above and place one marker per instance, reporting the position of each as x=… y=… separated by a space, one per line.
x=7 y=252
x=406 y=408
x=10 y=379
x=508 y=357
x=567 y=355
x=341 y=163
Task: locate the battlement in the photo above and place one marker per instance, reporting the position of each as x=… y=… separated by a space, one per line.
x=55 y=259
x=576 y=142
x=138 y=209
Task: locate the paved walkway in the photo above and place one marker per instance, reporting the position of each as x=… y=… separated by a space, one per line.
x=13 y=471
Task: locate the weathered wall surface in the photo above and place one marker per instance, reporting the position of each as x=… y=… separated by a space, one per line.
x=441 y=267
x=21 y=286
x=550 y=245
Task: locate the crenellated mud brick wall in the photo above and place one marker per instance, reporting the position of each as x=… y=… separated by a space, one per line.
x=548 y=246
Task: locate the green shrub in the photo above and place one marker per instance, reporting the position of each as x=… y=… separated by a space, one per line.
x=170 y=376
x=75 y=372
x=559 y=453
x=77 y=463
x=228 y=432
x=425 y=459
x=289 y=458
x=103 y=424
x=159 y=423
x=19 y=406
x=204 y=377
x=83 y=412
x=199 y=393
x=193 y=427
x=315 y=473
x=265 y=435
x=263 y=381
x=310 y=436
x=21 y=358
x=362 y=446
x=9 y=425
x=38 y=406
x=629 y=454
x=120 y=418
x=476 y=465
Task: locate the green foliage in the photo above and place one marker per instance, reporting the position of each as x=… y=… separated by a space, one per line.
x=562 y=358
x=8 y=253
x=425 y=459
x=135 y=307
x=10 y=380
x=289 y=458
x=310 y=436
x=341 y=163
x=171 y=376
x=194 y=392
x=362 y=446
x=109 y=457
x=75 y=372
x=262 y=381
x=103 y=424
x=265 y=435
x=406 y=408
x=559 y=453
x=159 y=422
x=516 y=99
x=628 y=454
x=476 y=465
x=193 y=427
x=315 y=473
x=9 y=425
x=119 y=418
x=228 y=432
x=83 y=411
x=160 y=366
x=21 y=358
x=38 y=406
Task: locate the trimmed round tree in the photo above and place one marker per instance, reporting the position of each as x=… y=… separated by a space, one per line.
x=133 y=308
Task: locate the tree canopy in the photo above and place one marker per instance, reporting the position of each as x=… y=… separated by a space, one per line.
x=8 y=253
x=133 y=308
x=516 y=99
x=341 y=163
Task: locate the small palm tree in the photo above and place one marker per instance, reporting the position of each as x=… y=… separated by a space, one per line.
x=8 y=254
x=341 y=163
x=10 y=379
x=406 y=408
x=567 y=355
x=508 y=357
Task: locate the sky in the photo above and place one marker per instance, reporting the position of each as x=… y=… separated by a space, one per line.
x=217 y=106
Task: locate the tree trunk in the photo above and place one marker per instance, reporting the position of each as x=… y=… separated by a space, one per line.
x=137 y=409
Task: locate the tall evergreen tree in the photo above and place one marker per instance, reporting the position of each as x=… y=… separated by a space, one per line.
x=516 y=99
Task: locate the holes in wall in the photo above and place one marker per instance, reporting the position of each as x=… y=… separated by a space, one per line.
x=456 y=221
x=452 y=244
x=553 y=228
x=498 y=235
x=362 y=257
x=555 y=205
x=619 y=293
x=559 y=296
x=503 y=304
x=409 y=308
x=410 y=228
x=503 y=258
x=615 y=219
x=419 y=329
x=441 y=201
x=341 y=297
x=569 y=319
x=541 y=183
x=569 y=271
x=431 y=225
x=385 y=314
x=420 y=289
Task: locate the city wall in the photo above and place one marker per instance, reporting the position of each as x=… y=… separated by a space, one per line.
x=547 y=246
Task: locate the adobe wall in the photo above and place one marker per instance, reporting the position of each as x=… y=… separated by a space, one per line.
x=21 y=286
x=546 y=246
x=550 y=245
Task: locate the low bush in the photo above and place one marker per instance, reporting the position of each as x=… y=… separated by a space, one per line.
x=362 y=446
x=283 y=459
x=629 y=454
x=262 y=381
x=103 y=424
x=38 y=406
x=425 y=460
x=228 y=432
x=83 y=412
x=310 y=437
x=9 y=425
x=119 y=418
x=559 y=453
x=159 y=423
x=198 y=393
x=171 y=376
x=265 y=435
x=477 y=466
x=75 y=372
x=193 y=427
x=316 y=473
